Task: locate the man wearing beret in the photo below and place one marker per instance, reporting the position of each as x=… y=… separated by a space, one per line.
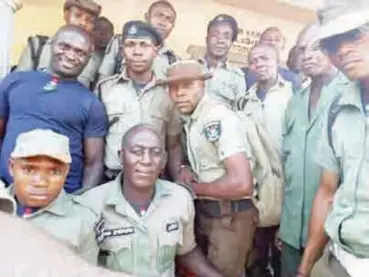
x=39 y=165
x=37 y=53
x=136 y=95
x=162 y=16
x=340 y=213
x=219 y=154
x=228 y=82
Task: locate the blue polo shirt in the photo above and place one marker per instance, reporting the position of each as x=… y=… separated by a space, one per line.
x=69 y=109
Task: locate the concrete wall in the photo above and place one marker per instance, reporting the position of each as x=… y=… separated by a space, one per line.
x=44 y=17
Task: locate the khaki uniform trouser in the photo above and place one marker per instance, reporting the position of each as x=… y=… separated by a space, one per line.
x=227 y=240
x=329 y=266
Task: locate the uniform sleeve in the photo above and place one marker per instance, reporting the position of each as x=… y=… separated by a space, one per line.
x=188 y=232
x=109 y=61
x=97 y=123
x=87 y=77
x=174 y=124
x=232 y=139
x=25 y=62
x=325 y=156
x=240 y=85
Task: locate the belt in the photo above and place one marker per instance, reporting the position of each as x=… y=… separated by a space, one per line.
x=220 y=208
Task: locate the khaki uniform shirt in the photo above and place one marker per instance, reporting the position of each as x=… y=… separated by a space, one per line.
x=228 y=83
x=143 y=245
x=213 y=133
x=70 y=221
x=301 y=134
x=109 y=63
x=127 y=107
x=347 y=222
x=87 y=77
x=270 y=111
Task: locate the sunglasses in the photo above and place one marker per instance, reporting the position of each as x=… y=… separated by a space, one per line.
x=332 y=44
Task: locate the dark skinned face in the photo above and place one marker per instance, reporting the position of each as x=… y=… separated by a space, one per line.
x=162 y=18
x=102 y=33
x=80 y=17
x=139 y=54
x=70 y=54
x=143 y=158
x=219 y=40
x=38 y=180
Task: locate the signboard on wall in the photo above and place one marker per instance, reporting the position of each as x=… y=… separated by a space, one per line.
x=246 y=39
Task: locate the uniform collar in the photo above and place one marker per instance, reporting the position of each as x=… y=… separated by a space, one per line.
x=280 y=84
x=225 y=64
x=164 y=50
x=123 y=77
x=201 y=107
x=57 y=207
x=116 y=197
x=351 y=95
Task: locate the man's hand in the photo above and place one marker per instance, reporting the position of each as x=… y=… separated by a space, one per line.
x=186 y=176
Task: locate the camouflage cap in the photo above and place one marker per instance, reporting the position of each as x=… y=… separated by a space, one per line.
x=89 y=5
x=41 y=142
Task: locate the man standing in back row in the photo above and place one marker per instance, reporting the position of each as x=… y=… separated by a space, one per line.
x=228 y=82
x=37 y=54
x=162 y=16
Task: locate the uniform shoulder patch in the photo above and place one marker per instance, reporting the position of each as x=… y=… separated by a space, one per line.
x=212 y=130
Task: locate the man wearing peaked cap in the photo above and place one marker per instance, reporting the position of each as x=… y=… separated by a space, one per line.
x=228 y=82
x=162 y=16
x=140 y=29
x=136 y=96
x=342 y=153
x=39 y=165
x=216 y=139
x=37 y=53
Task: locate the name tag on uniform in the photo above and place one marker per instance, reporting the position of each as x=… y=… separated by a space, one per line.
x=102 y=233
x=172 y=226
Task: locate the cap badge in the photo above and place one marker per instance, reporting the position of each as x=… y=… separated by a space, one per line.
x=132 y=30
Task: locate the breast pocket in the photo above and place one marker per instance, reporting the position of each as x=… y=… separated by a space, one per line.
x=119 y=253
x=170 y=238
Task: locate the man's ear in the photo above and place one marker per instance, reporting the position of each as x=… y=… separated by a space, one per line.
x=11 y=166
x=120 y=155
x=66 y=15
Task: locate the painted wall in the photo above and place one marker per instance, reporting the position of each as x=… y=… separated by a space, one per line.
x=44 y=17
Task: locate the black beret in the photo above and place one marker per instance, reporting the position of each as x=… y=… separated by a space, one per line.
x=225 y=18
x=140 y=29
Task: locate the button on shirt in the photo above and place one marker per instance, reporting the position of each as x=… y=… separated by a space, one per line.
x=143 y=245
x=127 y=105
x=67 y=220
x=70 y=109
x=214 y=133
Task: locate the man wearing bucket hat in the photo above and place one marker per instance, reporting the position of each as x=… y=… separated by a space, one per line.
x=228 y=82
x=136 y=95
x=37 y=53
x=39 y=165
x=162 y=16
x=340 y=211
x=219 y=157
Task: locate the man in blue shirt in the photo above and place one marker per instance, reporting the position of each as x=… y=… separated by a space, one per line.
x=56 y=100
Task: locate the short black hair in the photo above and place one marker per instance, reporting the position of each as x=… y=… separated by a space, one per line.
x=162 y=3
x=106 y=20
x=268 y=46
x=77 y=29
x=139 y=128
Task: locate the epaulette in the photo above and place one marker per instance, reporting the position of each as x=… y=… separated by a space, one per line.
x=104 y=82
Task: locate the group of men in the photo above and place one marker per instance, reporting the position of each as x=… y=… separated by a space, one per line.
x=191 y=167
